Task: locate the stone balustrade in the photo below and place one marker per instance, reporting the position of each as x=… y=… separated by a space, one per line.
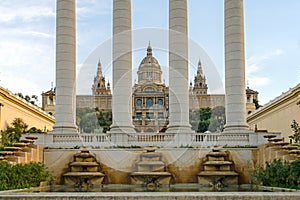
x=152 y=139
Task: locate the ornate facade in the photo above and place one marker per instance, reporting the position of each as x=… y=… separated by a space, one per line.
x=150 y=96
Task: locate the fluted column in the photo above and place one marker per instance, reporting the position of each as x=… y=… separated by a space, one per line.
x=122 y=68
x=235 y=66
x=65 y=67
x=178 y=68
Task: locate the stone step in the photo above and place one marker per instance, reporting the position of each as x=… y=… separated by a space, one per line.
x=150 y=174
x=218 y=173
x=88 y=164
x=281 y=143
x=289 y=147
x=211 y=158
x=217 y=162
x=150 y=157
x=27 y=141
x=270 y=136
x=152 y=163
x=15 y=149
x=217 y=154
x=296 y=151
x=20 y=144
x=31 y=137
x=83 y=174
x=6 y=153
x=275 y=139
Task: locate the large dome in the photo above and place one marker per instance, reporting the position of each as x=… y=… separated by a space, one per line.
x=149 y=69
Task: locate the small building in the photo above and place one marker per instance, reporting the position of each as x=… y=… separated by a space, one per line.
x=278 y=114
x=12 y=106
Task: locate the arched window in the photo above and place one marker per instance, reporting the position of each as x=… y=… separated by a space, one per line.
x=149 y=102
x=149 y=89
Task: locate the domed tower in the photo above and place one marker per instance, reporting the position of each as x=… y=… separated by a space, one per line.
x=149 y=69
x=150 y=96
x=200 y=86
x=99 y=87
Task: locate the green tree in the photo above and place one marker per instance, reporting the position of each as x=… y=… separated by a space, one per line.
x=200 y=119
x=218 y=119
x=296 y=128
x=89 y=119
x=14 y=132
x=256 y=102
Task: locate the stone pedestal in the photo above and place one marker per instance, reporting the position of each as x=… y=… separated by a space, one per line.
x=65 y=67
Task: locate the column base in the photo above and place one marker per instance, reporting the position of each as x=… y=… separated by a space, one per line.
x=182 y=136
x=238 y=137
x=119 y=135
x=180 y=129
x=122 y=129
x=64 y=129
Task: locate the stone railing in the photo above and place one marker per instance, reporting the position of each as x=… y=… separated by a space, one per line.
x=205 y=139
x=152 y=139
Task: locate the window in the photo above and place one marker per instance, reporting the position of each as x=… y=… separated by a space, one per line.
x=149 y=89
x=160 y=103
x=138 y=115
x=139 y=102
x=160 y=115
x=149 y=102
x=149 y=115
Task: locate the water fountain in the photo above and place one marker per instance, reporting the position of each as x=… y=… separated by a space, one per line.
x=84 y=171
x=151 y=170
x=218 y=171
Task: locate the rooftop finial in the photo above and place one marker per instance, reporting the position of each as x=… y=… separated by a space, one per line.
x=149 y=50
x=199 y=62
x=99 y=63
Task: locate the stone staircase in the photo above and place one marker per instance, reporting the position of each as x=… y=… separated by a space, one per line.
x=217 y=171
x=276 y=148
x=84 y=170
x=151 y=170
x=23 y=152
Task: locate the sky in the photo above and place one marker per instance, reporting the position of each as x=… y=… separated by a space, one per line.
x=272 y=42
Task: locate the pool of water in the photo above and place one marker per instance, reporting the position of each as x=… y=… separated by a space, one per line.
x=140 y=188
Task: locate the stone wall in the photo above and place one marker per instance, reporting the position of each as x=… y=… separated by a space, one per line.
x=183 y=163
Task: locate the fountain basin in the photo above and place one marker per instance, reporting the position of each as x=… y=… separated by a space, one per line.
x=155 y=178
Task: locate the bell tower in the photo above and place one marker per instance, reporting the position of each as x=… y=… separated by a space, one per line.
x=200 y=86
x=99 y=87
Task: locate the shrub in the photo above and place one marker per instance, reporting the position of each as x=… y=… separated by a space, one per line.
x=279 y=174
x=21 y=176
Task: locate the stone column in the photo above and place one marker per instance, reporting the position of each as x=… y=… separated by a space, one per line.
x=235 y=67
x=65 y=67
x=122 y=70
x=178 y=68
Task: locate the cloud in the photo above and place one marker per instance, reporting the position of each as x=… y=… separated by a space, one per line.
x=254 y=66
x=12 y=81
x=26 y=13
x=91 y=8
